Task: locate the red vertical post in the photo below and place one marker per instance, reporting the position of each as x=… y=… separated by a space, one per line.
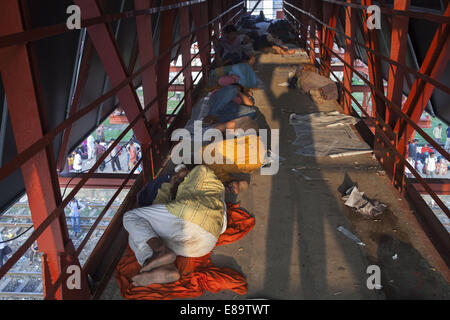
x=185 y=28
x=312 y=33
x=200 y=17
x=165 y=42
x=434 y=65
x=108 y=51
x=306 y=5
x=349 y=56
x=146 y=54
x=21 y=84
x=396 y=76
x=83 y=73
x=398 y=53
x=330 y=13
x=297 y=14
x=319 y=15
x=374 y=64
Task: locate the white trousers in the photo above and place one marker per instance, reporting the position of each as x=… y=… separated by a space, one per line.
x=90 y=151
x=182 y=237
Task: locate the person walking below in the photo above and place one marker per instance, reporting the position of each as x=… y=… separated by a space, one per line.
x=4 y=250
x=437 y=133
x=412 y=149
x=101 y=133
x=447 y=142
x=115 y=153
x=131 y=148
x=75 y=207
x=99 y=150
x=430 y=162
x=91 y=147
x=77 y=162
x=408 y=172
x=34 y=252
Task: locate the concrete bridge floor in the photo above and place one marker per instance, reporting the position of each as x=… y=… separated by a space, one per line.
x=295 y=250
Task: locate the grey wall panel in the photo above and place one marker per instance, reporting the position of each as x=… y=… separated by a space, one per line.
x=12 y=187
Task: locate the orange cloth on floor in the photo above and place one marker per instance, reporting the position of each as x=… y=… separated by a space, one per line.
x=197 y=274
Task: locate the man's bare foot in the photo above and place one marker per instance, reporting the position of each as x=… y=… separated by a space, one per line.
x=161 y=255
x=237 y=187
x=163 y=274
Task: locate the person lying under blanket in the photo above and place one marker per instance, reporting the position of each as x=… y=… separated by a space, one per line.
x=229 y=48
x=186 y=218
x=229 y=103
x=241 y=73
x=269 y=43
x=243 y=154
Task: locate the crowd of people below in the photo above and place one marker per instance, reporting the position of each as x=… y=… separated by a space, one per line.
x=93 y=149
x=426 y=160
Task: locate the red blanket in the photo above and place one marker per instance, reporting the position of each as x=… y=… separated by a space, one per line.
x=197 y=274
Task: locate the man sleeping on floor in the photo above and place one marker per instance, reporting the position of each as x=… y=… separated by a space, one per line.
x=188 y=214
x=186 y=218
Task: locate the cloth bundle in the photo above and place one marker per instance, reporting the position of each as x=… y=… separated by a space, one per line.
x=197 y=274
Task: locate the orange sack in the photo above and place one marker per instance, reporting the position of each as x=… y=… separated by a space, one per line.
x=197 y=274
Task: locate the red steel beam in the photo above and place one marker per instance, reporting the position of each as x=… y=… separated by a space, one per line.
x=146 y=54
x=319 y=14
x=398 y=53
x=373 y=63
x=349 y=56
x=176 y=87
x=341 y=68
x=440 y=186
x=306 y=4
x=108 y=51
x=312 y=32
x=97 y=181
x=434 y=65
x=178 y=69
x=83 y=74
x=166 y=26
x=383 y=135
x=20 y=81
x=330 y=13
x=200 y=17
x=185 y=27
x=396 y=76
x=362 y=88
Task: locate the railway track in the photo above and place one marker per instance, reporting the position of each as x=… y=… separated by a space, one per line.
x=11 y=224
x=20 y=285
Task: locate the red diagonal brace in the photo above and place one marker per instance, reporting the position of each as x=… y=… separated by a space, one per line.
x=146 y=54
x=330 y=13
x=108 y=51
x=185 y=28
x=349 y=56
x=434 y=66
x=373 y=63
x=165 y=42
x=21 y=83
x=200 y=17
x=398 y=53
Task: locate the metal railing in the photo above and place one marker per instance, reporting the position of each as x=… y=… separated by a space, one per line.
x=389 y=104
x=47 y=139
